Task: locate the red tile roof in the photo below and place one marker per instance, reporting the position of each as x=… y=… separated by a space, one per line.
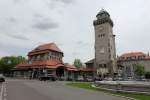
x=53 y=64
x=44 y=47
x=41 y=64
x=134 y=56
x=71 y=67
x=38 y=52
x=87 y=69
x=147 y=58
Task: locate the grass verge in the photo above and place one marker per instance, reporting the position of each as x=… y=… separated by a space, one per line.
x=86 y=85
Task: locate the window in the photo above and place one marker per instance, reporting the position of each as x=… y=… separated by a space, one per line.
x=105 y=65
x=108 y=44
x=134 y=57
x=141 y=57
x=129 y=58
x=109 y=50
x=100 y=65
x=101 y=35
x=109 y=56
x=102 y=50
x=122 y=58
x=38 y=57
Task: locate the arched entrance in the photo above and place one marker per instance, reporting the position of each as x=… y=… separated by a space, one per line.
x=60 y=72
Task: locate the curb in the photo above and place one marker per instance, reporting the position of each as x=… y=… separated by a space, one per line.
x=1 y=91
x=128 y=98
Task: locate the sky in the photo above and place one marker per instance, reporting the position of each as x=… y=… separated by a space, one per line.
x=25 y=24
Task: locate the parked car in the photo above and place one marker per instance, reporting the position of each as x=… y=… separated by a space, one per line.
x=89 y=79
x=97 y=78
x=108 y=79
x=69 y=79
x=120 y=79
x=48 y=77
x=62 y=78
x=80 y=78
x=2 y=79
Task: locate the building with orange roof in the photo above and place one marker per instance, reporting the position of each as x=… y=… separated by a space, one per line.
x=44 y=60
x=128 y=61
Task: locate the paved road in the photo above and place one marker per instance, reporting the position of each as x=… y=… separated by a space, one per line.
x=36 y=90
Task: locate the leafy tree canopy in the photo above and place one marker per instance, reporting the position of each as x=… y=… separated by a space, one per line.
x=139 y=70
x=9 y=62
x=78 y=63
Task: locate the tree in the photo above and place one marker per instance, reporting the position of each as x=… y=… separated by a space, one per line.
x=139 y=70
x=78 y=63
x=9 y=62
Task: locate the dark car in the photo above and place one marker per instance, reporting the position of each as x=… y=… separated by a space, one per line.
x=89 y=79
x=2 y=79
x=48 y=77
x=97 y=78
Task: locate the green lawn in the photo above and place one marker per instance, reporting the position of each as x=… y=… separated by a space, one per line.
x=87 y=85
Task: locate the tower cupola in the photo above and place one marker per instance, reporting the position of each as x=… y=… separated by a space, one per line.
x=102 y=14
x=102 y=17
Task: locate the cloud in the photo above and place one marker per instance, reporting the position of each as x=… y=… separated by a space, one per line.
x=65 y=1
x=12 y=19
x=61 y=1
x=79 y=42
x=18 y=1
x=43 y=22
x=82 y=44
x=45 y=25
x=54 y=4
x=8 y=49
x=75 y=53
x=17 y=36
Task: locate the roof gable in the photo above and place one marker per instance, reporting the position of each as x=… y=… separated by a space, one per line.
x=49 y=46
x=90 y=61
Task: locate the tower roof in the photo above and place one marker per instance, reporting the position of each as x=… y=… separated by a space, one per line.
x=102 y=11
x=102 y=17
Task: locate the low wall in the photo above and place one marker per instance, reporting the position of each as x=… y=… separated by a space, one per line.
x=135 y=87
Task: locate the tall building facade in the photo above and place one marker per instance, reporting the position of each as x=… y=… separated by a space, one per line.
x=105 y=51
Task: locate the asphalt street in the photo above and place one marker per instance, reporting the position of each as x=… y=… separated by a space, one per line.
x=14 y=89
